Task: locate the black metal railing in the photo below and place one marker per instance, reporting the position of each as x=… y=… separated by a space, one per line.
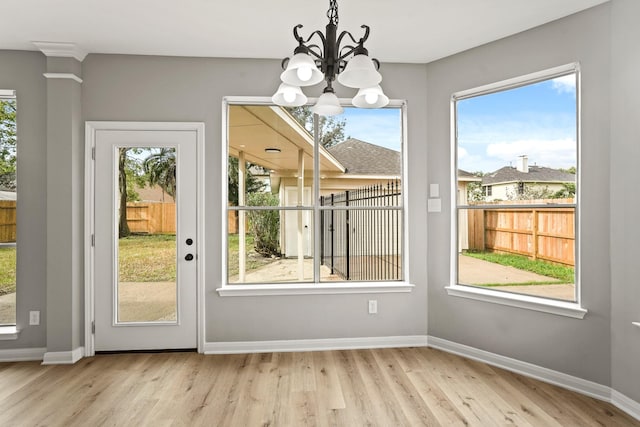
x=361 y=238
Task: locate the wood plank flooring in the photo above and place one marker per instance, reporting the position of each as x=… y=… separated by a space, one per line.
x=385 y=387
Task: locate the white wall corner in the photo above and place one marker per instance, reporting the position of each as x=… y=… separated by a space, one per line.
x=235 y=347
x=22 y=354
x=61 y=50
x=63 y=357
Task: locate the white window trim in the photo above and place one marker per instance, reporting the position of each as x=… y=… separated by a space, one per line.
x=310 y=288
x=529 y=302
x=9 y=332
x=545 y=305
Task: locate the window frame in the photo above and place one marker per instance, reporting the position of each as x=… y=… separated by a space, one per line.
x=10 y=331
x=314 y=287
x=572 y=309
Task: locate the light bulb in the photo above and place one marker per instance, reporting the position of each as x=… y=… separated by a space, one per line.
x=371 y=98
x=289 y=95
x=304 y=73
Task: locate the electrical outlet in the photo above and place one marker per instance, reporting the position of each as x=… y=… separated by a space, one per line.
x=373 y=306
x=34 y=318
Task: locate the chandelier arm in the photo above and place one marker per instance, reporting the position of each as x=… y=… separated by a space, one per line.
x=350 y=50
x=311 y=48
x=315 y=33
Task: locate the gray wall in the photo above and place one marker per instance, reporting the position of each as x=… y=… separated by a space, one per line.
x=625 y=203
x=191 y=89
x=22 y=71
x=603 y=347
x=576 y=347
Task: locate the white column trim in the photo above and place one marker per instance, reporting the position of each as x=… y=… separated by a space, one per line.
x=69 y=76
x=61 y=50
x=63 y=357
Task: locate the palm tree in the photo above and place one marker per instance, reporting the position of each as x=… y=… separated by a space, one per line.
x=160 y=167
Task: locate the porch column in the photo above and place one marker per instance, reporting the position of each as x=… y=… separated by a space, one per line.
x=300 y=215
x=65 y=227
x=242 y=232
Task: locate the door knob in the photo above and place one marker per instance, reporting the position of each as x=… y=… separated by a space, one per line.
x=188 y=257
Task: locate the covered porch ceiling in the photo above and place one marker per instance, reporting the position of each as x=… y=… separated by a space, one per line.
x=253 y=129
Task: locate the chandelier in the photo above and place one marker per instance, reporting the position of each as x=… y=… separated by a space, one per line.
x=313 y=63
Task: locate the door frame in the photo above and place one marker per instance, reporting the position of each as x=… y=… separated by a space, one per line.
x=91 y=128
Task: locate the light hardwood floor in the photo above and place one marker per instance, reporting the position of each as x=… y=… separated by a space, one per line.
x=386 y=387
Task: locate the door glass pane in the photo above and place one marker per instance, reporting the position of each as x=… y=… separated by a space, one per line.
x=8 y=200
x=146 y=258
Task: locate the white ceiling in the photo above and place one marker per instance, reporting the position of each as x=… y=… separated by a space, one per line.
x=401 y=30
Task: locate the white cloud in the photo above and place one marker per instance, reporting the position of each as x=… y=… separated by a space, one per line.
x=462 y=153
x=565 y=84
x=557 y=153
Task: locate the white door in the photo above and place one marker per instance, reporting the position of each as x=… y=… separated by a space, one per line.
x=291 y=223
x=145 y=284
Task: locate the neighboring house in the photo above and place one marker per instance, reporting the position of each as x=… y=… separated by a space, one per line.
x=510 y=182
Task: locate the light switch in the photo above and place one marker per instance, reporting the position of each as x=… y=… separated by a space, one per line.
x=434 y=190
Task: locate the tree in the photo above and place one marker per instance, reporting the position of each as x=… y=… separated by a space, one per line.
x=331 y=129
x=265 y=225
x=251 y=183
x=160 y=168
x=475 y=192
x=123 y=229
x=130 y=174
x=8 y=144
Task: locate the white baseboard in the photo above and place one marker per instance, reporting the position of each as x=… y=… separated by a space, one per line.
x=234 y=347
x=560 y=379
x=22 y=354
x=570 y=382
x=63 y=357
x=626 y=404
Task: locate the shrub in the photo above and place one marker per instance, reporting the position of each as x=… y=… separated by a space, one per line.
x=265 y=225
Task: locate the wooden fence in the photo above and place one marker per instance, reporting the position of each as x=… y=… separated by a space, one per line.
x=7 y=221
x=151 y=218
x=539 y=233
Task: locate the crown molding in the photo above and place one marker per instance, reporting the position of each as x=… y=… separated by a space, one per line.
x=62 y=50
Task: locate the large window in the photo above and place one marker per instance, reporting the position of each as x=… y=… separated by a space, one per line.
x=8 y=200
x=516 y=157
x=305 y=212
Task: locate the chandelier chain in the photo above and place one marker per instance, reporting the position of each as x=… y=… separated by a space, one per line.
x=332 y=13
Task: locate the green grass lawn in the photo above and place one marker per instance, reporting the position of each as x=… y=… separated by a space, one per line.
x=7 y=270
x=151 y=258
x=562 y=273
x=147 y=258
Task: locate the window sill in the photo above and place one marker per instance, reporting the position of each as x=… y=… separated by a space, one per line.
x=8 y=333
x=314 y=289
x=560 y=308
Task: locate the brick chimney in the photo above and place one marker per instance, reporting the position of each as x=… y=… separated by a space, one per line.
x=522 y=165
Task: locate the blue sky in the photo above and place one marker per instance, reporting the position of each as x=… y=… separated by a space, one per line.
x=537 y=120
x=376 y=126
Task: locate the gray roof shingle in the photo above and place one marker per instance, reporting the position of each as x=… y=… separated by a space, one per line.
x=363 y=158
x=535 y=174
